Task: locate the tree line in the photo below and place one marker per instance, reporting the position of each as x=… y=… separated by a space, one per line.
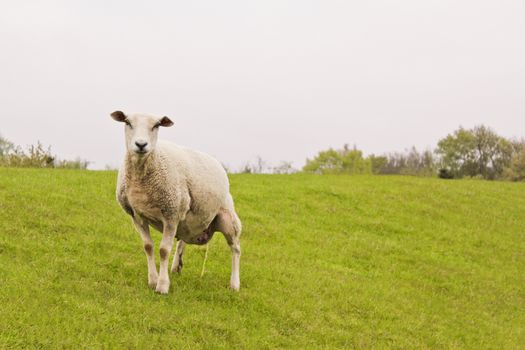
x=473 y=153
x=466 y=153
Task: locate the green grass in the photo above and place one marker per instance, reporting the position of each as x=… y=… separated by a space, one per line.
x=328 y=262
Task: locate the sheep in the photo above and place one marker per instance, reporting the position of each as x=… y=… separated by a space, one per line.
x=180 y=192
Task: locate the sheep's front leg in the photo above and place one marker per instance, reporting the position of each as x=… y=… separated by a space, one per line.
x=168 y=235
x=143 y=229
x=177 y=259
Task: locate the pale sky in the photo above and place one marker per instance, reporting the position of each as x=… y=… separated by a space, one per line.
x=277 y=78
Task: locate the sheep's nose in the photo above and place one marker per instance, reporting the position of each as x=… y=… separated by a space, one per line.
x=141 y=145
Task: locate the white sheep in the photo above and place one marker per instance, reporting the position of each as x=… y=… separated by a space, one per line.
x=180 y=192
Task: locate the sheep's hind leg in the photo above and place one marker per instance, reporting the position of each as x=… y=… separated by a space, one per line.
x=177 y=264
x=143 y=228
x=235 y=281
x=168 y=236
x=228 y=223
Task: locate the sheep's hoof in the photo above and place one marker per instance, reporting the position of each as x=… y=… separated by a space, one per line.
x=163 y=286
x=177 y=268
x=152 y=281
x=235 y=286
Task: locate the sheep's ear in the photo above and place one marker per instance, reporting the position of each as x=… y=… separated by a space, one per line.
x=118 y=116
x=165 y=121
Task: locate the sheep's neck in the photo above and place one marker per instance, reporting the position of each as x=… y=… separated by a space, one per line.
x=140 y=167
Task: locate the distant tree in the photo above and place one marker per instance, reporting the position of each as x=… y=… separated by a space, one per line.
x=517 y=145
x=284 y=168
x=246 y=169
x=412 y=162
x=395 y=164
x=260 y=166
x=6 y=147
x=428 y=163
x=326 y=162
x=378 y=164
x=457 y=153
x=354 y=162
x=516 y=169
x=422 y=164
x=494 y=152
x=346 y=160
x=475 y=152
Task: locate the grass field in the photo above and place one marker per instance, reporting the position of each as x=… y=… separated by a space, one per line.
x=328 y=262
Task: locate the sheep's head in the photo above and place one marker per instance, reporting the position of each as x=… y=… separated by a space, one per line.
x=141 y=131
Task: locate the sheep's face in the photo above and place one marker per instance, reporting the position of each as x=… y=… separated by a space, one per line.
x=141 y=131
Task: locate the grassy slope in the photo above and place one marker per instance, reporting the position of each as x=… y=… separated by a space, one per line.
x=331 y=261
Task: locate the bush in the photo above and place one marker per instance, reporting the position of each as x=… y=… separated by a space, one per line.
x=445 y=174
x=344 y=161
x=35 y=156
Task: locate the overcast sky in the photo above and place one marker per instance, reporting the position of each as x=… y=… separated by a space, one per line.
x=275 y=78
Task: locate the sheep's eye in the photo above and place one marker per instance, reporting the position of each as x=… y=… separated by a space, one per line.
x=128 y=123
x=156 y=126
